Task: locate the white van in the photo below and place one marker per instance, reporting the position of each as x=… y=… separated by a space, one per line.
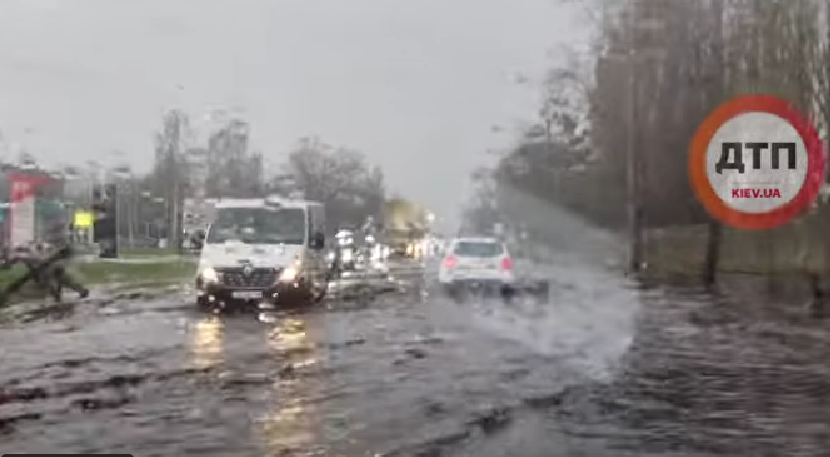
x=263 y=250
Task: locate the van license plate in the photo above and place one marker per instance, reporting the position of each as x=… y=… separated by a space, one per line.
x=247 y=294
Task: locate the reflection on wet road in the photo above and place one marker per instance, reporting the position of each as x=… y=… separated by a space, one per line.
x=604 y=369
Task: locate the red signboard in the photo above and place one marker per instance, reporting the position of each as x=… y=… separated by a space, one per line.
x=22 y=211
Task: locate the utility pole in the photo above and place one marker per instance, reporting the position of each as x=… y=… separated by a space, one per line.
x=632 y=156
x=131 y=209
x=714 y=227
x=641 y=48
x=176 y=236
x=634 y=211
x=117 y=204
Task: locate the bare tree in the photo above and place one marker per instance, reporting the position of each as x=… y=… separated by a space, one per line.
x=340 y=177
x=169 y=173
x=232 y=170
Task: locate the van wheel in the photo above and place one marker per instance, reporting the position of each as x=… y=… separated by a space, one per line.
x=202 y=303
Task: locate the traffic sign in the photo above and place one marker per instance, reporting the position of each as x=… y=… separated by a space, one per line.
x=756 y=163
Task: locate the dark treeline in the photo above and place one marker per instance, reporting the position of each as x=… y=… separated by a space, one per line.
x=659 y=68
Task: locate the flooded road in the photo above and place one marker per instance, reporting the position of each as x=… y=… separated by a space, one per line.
x=604 y=369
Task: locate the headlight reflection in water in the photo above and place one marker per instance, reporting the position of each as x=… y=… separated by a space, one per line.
x=206 y=342
x=292 y=426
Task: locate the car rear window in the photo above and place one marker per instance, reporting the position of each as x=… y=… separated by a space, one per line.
x=478 y=249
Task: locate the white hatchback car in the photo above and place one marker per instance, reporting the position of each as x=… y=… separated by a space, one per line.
x=477 y=263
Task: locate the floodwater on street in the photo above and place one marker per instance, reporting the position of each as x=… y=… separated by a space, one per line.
x=606 y=368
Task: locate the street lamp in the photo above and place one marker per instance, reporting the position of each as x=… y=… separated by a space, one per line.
x=123 y=177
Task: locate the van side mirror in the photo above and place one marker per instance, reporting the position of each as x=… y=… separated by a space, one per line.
x=318 y=241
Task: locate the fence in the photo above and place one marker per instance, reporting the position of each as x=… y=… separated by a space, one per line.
x=798 y=247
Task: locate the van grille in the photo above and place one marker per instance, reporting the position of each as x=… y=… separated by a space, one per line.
x=259 y=278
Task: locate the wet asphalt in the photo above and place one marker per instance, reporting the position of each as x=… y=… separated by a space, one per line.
x=608 y=367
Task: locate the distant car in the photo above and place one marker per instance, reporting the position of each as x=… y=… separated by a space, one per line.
x=477 y=264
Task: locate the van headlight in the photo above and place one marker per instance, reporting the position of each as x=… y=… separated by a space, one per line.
x=288 y=274
x=209 y=274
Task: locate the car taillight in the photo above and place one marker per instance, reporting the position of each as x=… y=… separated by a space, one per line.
x=507 y=263
x=450 y=261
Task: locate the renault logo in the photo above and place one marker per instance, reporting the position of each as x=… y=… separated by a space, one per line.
x=248 y=270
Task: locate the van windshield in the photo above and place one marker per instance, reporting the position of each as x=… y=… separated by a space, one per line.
x=258 y=226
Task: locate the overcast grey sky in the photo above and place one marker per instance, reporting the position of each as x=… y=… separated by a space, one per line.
x=415 y=84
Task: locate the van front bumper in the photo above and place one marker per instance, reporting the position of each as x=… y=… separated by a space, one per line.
x=281 y=293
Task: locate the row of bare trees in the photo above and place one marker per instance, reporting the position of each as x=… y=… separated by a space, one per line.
x=660 y=66
x=153 y=205
x=340 y=177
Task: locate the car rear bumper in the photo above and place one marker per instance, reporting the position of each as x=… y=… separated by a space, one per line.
x=476 y=279
x=483 y=286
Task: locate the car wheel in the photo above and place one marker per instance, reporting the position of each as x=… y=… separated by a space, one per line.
x=231 y=306
x=543 y=293
x=251 y=306
x=459 y=294
x=448 y=290
x=296 y=300
x=507 y=293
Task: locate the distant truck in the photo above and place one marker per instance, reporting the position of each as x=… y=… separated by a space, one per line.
x=405 y=226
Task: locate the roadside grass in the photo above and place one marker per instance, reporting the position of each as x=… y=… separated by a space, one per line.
x=97 y=273
x=147 y=252
x=122 y=275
